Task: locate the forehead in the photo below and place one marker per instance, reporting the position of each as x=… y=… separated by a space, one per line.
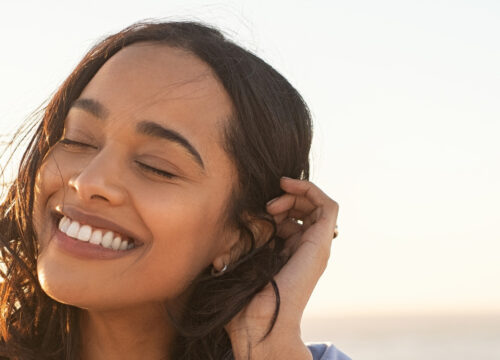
x=164 y=84
x=158 y=72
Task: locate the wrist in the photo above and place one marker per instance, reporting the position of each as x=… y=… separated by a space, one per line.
x=277 y=346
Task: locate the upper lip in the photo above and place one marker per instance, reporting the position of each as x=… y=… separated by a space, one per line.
x=96 y=221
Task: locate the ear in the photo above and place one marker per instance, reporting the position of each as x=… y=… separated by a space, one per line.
x=238 y=242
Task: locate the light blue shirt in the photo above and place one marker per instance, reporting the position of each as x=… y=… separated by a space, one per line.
x=326 y=351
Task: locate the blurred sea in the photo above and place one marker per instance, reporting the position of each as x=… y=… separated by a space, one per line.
x=410 y=337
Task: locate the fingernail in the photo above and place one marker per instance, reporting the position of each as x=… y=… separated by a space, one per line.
x=272 y=200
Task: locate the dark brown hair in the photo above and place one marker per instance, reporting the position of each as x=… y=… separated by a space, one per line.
x=268 y=136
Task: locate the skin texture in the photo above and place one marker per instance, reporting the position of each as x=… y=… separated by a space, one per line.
x=180 y=220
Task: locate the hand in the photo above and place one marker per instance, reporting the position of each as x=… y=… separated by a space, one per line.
x=308 y=245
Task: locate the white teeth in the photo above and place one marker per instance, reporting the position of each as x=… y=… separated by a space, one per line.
x=96 y=237
x=123 y=245
x=107 y=239
x=73 y=229
x=64 y=224
x=115 y=245
x=84 y=233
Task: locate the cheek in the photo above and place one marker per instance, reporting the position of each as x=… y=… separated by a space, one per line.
x=186 y=236
x=48 y=181
x=49 y=177
x=53 y=174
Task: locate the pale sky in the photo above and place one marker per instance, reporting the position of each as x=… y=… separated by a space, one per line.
x=406 y=102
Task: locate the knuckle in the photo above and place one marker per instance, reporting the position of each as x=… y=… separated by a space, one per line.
x=333 y=203
x=332 y=206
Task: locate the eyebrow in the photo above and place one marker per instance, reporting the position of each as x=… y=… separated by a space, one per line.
x=153 y=129
x=91 y=106
x=148 y=128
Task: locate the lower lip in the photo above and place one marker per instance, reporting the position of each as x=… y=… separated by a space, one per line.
x=86 y=250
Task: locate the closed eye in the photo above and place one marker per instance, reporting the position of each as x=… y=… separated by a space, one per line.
x=162 y=173
x=156 y=171
x=69 y=142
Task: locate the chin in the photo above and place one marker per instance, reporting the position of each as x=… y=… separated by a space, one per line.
x=65 y=284
x=55 y=282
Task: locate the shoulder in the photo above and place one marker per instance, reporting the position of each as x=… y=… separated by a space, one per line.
x=326 y=351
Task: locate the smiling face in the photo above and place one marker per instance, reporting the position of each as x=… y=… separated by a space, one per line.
x=149 y=165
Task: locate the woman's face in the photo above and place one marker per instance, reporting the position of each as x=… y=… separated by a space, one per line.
x=149 y=166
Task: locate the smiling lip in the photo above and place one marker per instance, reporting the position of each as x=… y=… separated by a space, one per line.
x=95 y=221
x=86 y=250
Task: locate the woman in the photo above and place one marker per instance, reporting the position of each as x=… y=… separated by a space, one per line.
x=161 y=210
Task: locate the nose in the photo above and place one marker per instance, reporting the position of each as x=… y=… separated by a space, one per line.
x=99 y=179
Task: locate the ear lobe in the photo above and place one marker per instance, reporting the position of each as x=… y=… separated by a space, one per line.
x=229 y=251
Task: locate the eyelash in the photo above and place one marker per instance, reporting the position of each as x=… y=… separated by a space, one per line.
x=73 y=143
x=151 y=169
x=156 y=171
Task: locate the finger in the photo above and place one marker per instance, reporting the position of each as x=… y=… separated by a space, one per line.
x=288 y=228
x=317 y=215
x=290 y=201
x=307 y=189
x=308 y=253
x=279 y=218
x=329 y=212
x=291 y=245
x=293 y=214
x=289 y=206
x=312 y=218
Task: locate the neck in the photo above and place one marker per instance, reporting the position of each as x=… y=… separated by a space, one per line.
x=142 y=332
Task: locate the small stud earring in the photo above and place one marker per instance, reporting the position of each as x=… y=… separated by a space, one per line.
x=216 y=273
